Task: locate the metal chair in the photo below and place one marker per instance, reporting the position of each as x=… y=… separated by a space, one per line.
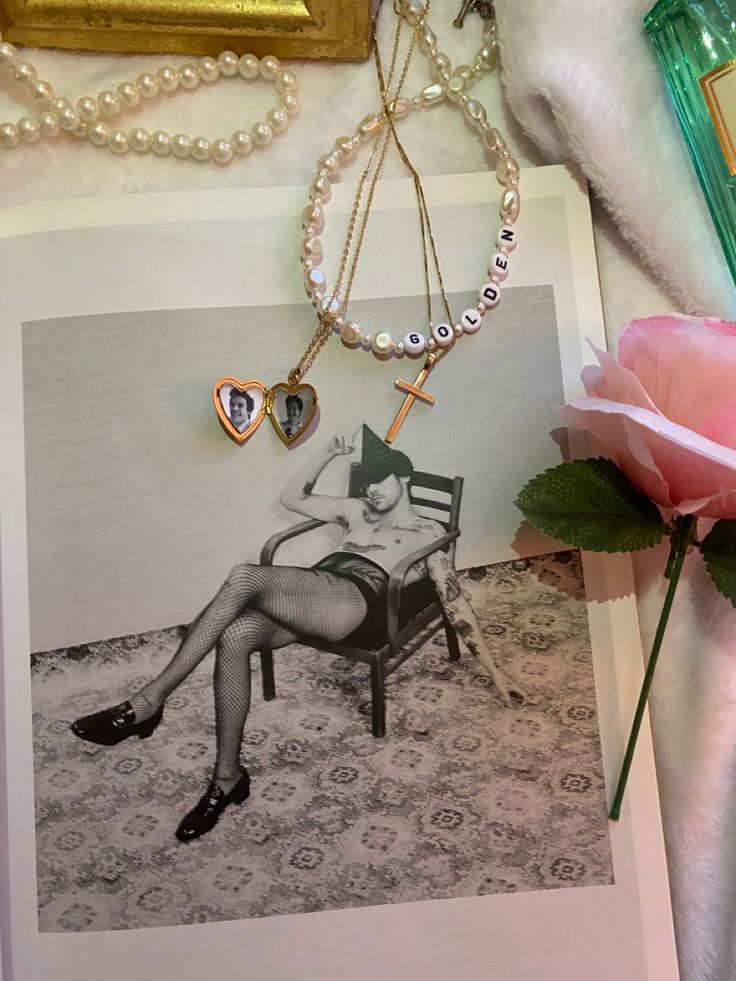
x=414 y=612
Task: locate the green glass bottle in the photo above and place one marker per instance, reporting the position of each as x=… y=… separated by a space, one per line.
x=695 y=41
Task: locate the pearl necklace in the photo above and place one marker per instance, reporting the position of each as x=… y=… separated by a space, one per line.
x=453 y=86
x=84 y=120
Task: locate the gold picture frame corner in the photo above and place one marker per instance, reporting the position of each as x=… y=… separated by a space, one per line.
x=324 y=29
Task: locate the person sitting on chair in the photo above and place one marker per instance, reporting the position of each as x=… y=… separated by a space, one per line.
x=240 y=407
x=272 y=606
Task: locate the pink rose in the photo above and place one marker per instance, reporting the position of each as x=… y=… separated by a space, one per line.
x=666 y=411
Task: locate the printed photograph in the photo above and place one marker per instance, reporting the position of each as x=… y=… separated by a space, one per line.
x=271 y=681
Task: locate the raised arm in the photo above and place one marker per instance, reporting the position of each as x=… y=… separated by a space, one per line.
x=461 y=615
x=298 y=494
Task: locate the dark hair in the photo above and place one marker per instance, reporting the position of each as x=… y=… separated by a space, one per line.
x=294 y=400
x=239 y=393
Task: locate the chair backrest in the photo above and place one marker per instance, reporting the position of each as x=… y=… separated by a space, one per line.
x=432 y=495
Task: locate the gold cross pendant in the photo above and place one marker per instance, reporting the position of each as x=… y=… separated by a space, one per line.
x=413 y=392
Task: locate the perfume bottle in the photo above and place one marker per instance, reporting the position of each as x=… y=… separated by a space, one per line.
x=695 y=41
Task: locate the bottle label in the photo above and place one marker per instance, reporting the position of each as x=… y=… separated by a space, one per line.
x=719 y=92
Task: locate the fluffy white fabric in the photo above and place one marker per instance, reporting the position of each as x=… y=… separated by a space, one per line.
x=585 y=86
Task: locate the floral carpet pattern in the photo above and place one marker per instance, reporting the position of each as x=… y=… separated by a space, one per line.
x=462 y=797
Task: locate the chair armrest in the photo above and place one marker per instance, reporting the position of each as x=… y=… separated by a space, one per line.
x=398 y=575
x=275 y=541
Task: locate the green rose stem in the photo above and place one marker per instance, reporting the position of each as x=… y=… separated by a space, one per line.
x=682 y=538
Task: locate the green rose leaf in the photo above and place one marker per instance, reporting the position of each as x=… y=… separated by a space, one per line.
x=719 y=551
x=592 y=505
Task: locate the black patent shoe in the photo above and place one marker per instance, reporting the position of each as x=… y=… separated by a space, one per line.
x=113 y=725
x=203 y=817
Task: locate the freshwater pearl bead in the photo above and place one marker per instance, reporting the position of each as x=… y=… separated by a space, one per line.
x=330 y=306
x=222 y=151
x=330 y=163
x=458 y=329
x=440 y=63
x=489 y=295
x=320 y=187
x=474 y=111
x=9 y=135
x=108 y=103
x=42 y=91
x=49 y=124
x=510 y=204
x=414 y=344
x=345 y=146
x=432 y=94
x=313 y=216
x=493 y=140
x=455 y=88
x=200 y=149
x=269 y=68
x=8 y=55
x=369 y=124
x=262 y=134
x=366 y=341
x=148 y=85
x=351 y=334
x=383 y=344
x=414 y=11
x=228 y=62
x=315 y=280
x=311 y=248
x=443 y=335
x=24 y=72
x=69 y=118
x=507 y=169
x=471 y=320
x=399 y=349
x=248 y=66
x=118 y=141
x=161 y=143
x=140 y=140
x=209 y=69
x=129 y=95
x=98 y=133
x=426 y=37
x=29 y=129
x=168 y=79
x=181 y=145
x=189 y=77
x=277 y=120
x=290 y=104
x=88 y=109
x=242 y=142
x=286 y=81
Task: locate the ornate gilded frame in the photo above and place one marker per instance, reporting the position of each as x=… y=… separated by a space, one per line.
x=288 y=28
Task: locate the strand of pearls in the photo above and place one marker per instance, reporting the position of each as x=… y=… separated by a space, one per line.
x=453 y=86
x=89 y=117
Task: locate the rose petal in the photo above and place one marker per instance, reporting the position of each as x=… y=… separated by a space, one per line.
x=721 y=427
x=613 y=381
x=687 y=365
x=666 y=462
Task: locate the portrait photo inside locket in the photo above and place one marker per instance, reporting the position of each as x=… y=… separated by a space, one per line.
x=241 y=405
x=292 y=412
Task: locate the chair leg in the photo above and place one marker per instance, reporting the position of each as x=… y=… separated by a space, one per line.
x=378 y=699
x=453 y=648
x=269 y=685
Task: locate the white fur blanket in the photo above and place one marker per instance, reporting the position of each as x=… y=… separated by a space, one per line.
x=583 y=85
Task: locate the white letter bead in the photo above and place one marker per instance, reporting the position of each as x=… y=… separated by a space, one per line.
x=471 y=320
x=443 y=334
x=499 y=265
x=506 y=238
x=490 y=295
x=414 y=344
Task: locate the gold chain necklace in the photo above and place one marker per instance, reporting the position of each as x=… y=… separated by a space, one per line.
x=292 y=405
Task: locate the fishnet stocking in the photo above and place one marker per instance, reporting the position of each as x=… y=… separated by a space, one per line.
x=293 y=601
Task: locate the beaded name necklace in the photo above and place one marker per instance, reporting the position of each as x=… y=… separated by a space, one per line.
x=332 y=306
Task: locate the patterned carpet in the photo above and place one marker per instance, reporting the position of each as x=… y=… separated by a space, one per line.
x=463 y=796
